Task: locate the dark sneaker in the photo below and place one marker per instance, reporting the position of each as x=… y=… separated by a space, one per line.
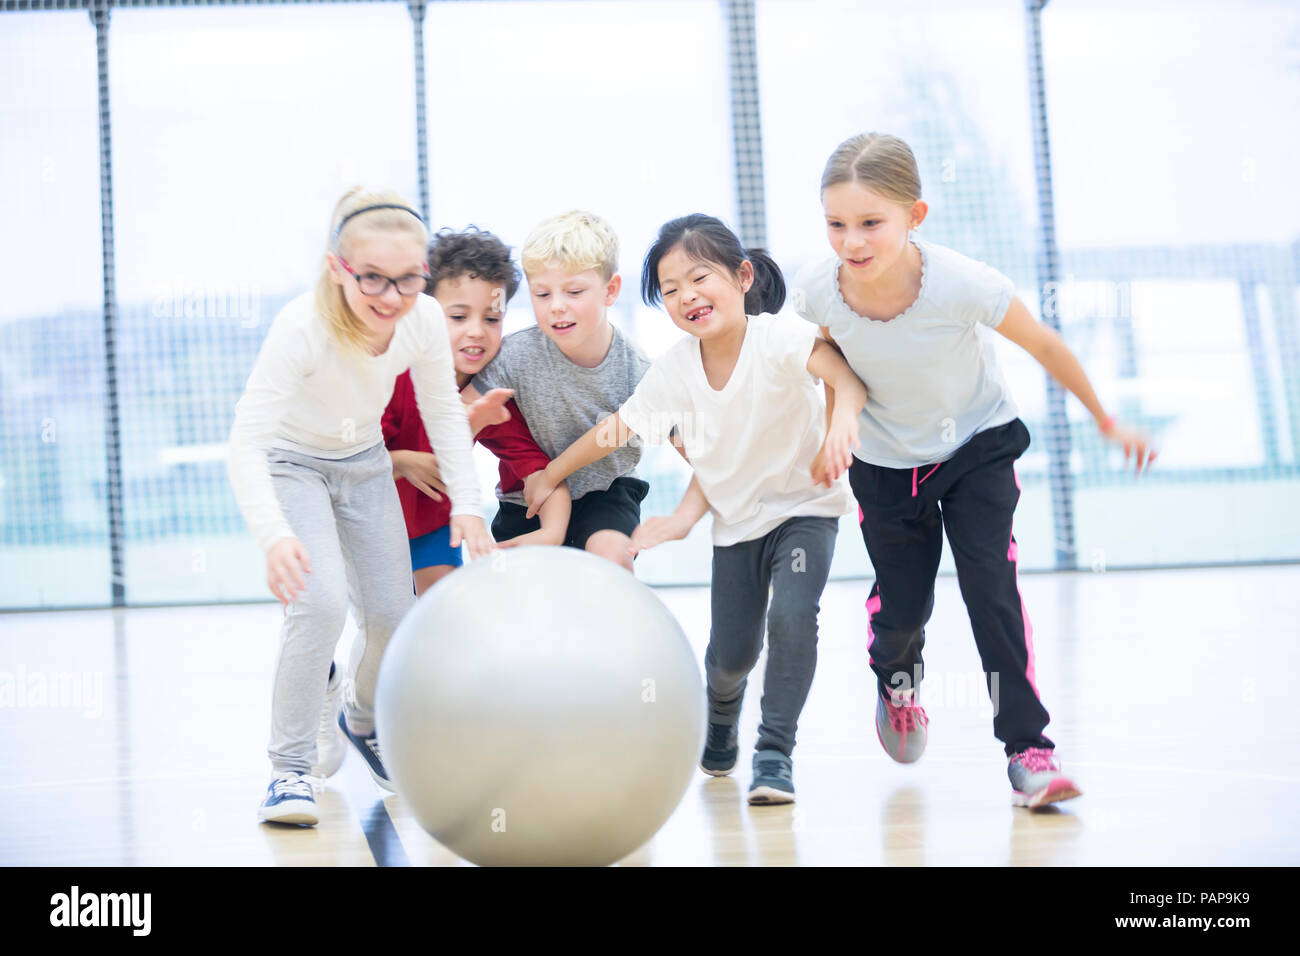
x=901 y=727
x=773 y=778
x=1037 y=780
x=368 y=746
x=721 y=750
x=289 y=799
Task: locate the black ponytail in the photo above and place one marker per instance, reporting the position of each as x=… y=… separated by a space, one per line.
x=767 y=294
x=709 y=240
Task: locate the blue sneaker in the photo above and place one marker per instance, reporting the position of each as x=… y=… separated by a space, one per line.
x=721 y=750
x=1037 y=780
x=289 y=799
x=773 y=778
x=368 y=746
x=901 y=727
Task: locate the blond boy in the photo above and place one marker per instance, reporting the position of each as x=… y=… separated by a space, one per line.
x=570 y=371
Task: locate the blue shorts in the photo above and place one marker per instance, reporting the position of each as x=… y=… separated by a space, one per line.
x=434 y=548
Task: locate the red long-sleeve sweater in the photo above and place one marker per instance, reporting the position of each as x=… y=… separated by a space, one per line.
x=511 y=442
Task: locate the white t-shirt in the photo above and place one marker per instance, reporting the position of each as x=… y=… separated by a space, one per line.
x=310 y=395
x=932 y=374
x=752 y=443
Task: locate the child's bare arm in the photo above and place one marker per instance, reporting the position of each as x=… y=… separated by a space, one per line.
x=554 y=514
x=830 y=390
x=1051 y=352
x=675 y=526
x=555 y=521
x=601 y=439
x=846 y=395
x=827 y=364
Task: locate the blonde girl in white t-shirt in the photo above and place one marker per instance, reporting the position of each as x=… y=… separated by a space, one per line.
x=739 y=397
x=314 y=480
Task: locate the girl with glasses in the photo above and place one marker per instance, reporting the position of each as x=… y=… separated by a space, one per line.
x=314 y=480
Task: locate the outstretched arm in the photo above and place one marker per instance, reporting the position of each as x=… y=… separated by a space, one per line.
x=675 y=526
x=845 y=396
x=601 y=439
x=1051 y=352
x=520 y=456
x=554 y=515
x=485 y=410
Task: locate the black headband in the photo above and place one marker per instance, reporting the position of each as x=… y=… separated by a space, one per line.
x=382 y=205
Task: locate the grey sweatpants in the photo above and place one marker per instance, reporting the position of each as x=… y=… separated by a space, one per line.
x=794 y=558
x=347 y=515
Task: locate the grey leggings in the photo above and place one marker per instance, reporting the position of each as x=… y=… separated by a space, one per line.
x=347 y=515
x=794 y=559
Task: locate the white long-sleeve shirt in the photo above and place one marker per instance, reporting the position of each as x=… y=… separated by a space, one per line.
x=310 y=395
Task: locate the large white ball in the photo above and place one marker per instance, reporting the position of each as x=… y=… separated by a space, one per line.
x=540 y=707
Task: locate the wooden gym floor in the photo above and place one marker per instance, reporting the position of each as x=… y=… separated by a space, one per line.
x=137 y=738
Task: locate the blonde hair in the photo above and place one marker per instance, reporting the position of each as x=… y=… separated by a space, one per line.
x=576 y=241
x=878 y=161
x=331 y=304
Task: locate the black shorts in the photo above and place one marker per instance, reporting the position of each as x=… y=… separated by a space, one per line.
x=618 y=509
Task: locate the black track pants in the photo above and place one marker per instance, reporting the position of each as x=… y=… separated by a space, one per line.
x=973 y=496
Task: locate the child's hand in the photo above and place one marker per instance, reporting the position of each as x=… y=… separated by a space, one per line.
x=537 y=488
x=1135 y=443
x=836 y=454
x=470 y=530
x=489 y=410
x=287 y=565
x=818 y=469
x=655 y=531
x=420 y=468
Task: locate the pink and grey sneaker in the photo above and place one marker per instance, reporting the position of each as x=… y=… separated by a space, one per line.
x=901 y=727
x=1036 y=779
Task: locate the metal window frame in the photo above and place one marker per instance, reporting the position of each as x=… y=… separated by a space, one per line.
x=1059 y=476
x=747 y=158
